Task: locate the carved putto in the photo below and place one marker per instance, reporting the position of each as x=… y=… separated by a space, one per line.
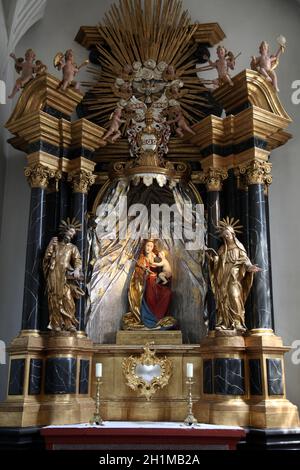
x=28 y=68
x=66 y=63
x=265 y=63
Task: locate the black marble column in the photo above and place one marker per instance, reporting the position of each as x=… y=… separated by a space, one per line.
x=79 y=208
x=34 y=255
x=269 y=248
x=243 y=216
x=261 y=316
x=213 y=217
x=213 y=180
x=52 y=222
x=81 y=181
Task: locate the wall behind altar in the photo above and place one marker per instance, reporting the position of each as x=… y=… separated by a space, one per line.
x=246 y=23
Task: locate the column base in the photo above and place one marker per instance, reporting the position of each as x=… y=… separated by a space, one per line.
x=274 y=413
x=231 y=412
x=49 y=380
x=244 y=381
x=46 y=413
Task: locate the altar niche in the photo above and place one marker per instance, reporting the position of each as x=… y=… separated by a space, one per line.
x=137 y=282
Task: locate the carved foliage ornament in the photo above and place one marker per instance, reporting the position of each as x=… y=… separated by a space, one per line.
x=257 y=172
x=82 y=180
x=147 y=373
x=38 y=175
x=213 y=178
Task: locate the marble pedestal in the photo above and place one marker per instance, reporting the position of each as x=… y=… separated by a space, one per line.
x=49 y=380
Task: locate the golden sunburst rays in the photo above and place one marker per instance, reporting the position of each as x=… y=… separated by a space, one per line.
x=229 y=223
x=136 y=31
x=70 y=223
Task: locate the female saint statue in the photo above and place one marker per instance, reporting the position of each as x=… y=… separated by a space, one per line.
x=149 y=299
x=231 y=276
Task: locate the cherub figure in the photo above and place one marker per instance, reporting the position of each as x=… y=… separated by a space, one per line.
x=166 y=273
x=26 y=68
x=265 y=63
x=116 y=122
x=122 y=89
x=180 y=121
x=169 y=74
x=225 y=61
x=69 y=68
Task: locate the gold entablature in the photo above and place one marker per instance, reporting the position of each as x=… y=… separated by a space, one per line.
x=206 y=33
x=41 y=92
x=252 y=88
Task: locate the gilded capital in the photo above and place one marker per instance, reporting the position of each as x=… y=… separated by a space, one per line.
x=257 y=172
x=81 y=180
x=213 y=178
x=39 y=175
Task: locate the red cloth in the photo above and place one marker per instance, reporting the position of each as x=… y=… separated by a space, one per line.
x=158 y=297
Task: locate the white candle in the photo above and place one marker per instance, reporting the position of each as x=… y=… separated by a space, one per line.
x=189 y=370
x=99 y=369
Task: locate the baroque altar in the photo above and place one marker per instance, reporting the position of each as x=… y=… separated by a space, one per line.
x=149 y=130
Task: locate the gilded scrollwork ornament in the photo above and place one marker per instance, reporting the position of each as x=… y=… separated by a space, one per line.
x=147 y=373
x=81 y=180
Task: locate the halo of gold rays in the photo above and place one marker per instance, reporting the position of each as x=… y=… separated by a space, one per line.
x=70 y=223
x=229 y=222
x=138 y=30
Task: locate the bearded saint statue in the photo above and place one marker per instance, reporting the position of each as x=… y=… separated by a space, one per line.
x=62 y=266
x=231 y=276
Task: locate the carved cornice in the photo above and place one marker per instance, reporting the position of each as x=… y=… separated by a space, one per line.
x=81 y=180
x=39 y=175
x=42 y=92
x=250 y=89
x=257 y=172
x=212 y=177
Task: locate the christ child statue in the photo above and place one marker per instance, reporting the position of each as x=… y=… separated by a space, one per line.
x=166 y=273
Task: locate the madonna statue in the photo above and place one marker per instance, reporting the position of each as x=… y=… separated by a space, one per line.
x=150 y=292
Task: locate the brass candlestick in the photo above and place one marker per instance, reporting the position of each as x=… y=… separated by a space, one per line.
x=97 y=417
x=190 y=419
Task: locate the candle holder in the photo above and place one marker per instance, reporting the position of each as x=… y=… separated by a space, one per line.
x=190 y=419
x=96 y=419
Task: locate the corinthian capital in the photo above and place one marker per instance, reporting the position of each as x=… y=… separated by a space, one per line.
x=257 y=172
x=81 y=180
x=39 y=175
x=213 y=178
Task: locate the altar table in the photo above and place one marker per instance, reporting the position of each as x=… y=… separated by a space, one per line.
x=117 y=435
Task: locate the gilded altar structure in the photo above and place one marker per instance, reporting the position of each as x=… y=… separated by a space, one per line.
x=150 y=128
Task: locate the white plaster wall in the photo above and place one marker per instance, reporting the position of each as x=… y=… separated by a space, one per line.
x=245 y=23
